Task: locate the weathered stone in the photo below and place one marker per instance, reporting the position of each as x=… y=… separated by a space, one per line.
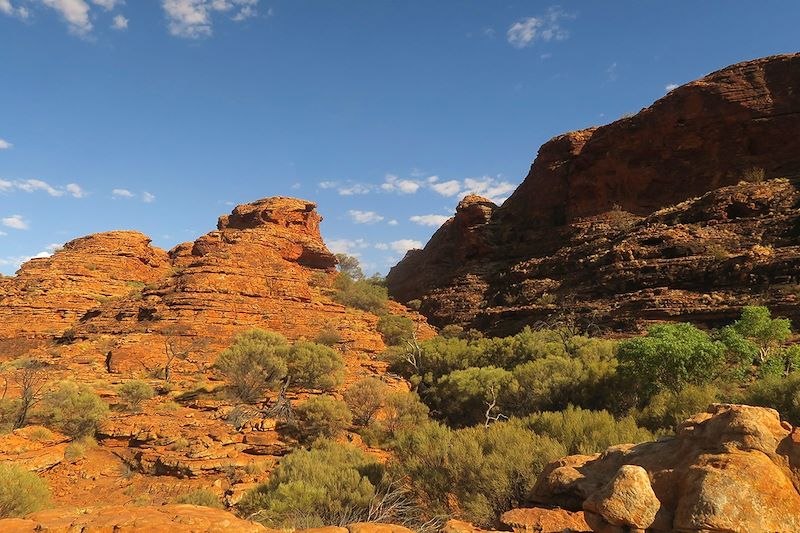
x=627 y=500
x=544 y=520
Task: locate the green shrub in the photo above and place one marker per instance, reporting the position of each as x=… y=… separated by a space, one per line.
x=584 y=431
x=254 y=364
x=402 y=411
x=451 y=331
x=326 y=485
x=415 y=304
x=9 y=413
x=75 y=410
x=134 y=393
x=314 y=366
x=362 y=294
x=349 y=266
x=670 y=357
x=780 y=393
x=667 y=409
x=321 y=416
x=486 y=470
x=21 y=492
x=469 y=396
x=77 y=449
x=365 y=398
x=395 y=329
x=202 y=497
x=40 y=434
x=328 y=337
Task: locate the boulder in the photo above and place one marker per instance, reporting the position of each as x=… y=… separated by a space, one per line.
x=544 y=520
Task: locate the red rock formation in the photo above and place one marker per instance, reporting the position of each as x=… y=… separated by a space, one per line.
x=560 y=243
x=733 y=468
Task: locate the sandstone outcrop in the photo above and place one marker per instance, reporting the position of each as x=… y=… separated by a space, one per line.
x=733 y=468
x=601 y=225
x=544 y=520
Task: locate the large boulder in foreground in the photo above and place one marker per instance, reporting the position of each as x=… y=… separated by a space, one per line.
x=733 y=468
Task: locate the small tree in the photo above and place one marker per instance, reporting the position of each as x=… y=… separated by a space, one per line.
x=322 y=416
x=254 y=364
x=75 y=410
x=766 y=333
x=349 y=266
x=395 y=329
x=134 y=393
x=21 y=492
x=365 y=294
x=365 y=398
x=314 y=366
x=474 y=395
x=31 y=378
x=403 y=411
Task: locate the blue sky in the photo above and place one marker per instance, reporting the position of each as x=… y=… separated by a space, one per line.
x=160 y=115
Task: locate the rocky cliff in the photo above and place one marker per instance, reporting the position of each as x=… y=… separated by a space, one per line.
x=620 y=222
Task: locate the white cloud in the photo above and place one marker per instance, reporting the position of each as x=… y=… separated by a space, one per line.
x=4 y=144
x=354 y=188
x=192 y=18
x=347 y=246
x=107 y=4
x=382 y=246
x=122 y=193
x=75 y=190
x=489 y=187
x=14 y=222
x=74 y=12
x=429 y=220
x=34 y=185
x=546 y=28
x=393 y=222
x=404 y=245
x=7 y=8
x=364 y=217
x=3 y=233
x=327 y=184
x=447 y=188
x=394 y=184
x=148 y=198
x=671 y=87
x=120 y=23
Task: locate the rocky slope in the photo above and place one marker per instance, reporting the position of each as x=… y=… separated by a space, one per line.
x=593 y=226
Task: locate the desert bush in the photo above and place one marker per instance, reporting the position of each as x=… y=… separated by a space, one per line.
x=395 y=329
x=584 y=431
x=365 y=398
x=254 y=364
x=314 y=366
x=330 y=484
x=779 y=393
x=321 y=416
x=451 y=331
x=414 y=304
x=754 y=175
x=473 y=395
x=40 y=434
x=21 y=492
x=667 y=409
x=349 y=266
x=202 y=497
x=73 y=409
x=402 y=411
x=134 y=393
x=364 y=294
x=78 y=448
x=9 y=414
x=485 y=470
x=670 y=357
x=328 y=336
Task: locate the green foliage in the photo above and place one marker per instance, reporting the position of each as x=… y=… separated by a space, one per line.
x=584 y=431
x=402 y=411
x=469 y=396
x=73 y=409
x=764 y=332
x=780 y=393
x=314 y=366
x=365 y=398
x=254 y=364
x=77 y=449
x=328 y=484
x=395 y=329
x=669 y=357
x=9 y=413
x=782 y=362
x=322 y=416
x=487 y=470
x=202 y=497
x=365 y=294
x=134 y=393
x=414 y=304
x=328 y=336
x=21 y=492
x=349 y=266
x=667 y=409
x=451 y=331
